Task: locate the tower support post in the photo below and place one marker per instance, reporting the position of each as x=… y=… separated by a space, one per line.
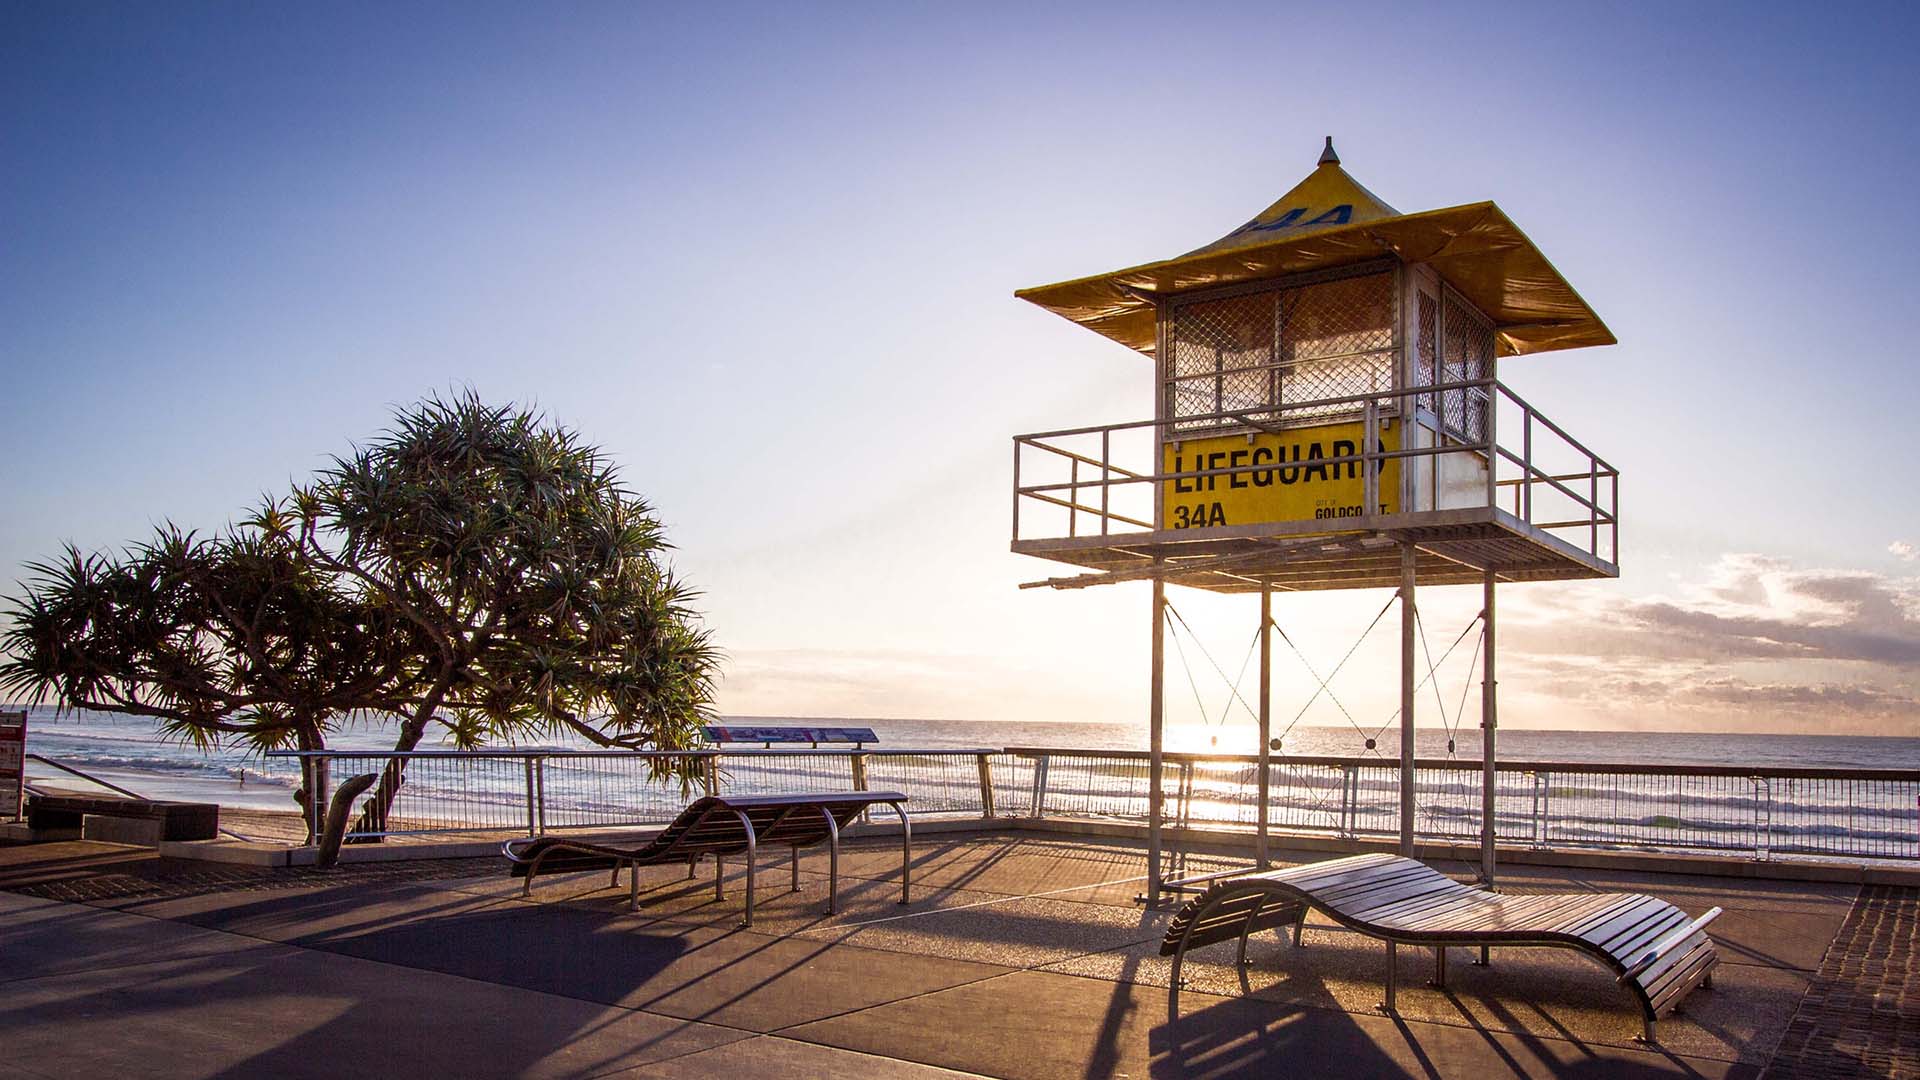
x=1408 y=632
x=1266 y=720
x=1489 y=724
x=1156 y=736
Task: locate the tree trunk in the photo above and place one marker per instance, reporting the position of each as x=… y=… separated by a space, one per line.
x=373 y=813
x=313 y=789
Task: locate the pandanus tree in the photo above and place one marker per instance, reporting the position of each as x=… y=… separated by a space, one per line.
x=476 y=572
x=232 y=639
x=533 y=580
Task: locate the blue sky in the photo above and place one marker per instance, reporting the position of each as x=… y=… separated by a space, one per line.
x=764 y=255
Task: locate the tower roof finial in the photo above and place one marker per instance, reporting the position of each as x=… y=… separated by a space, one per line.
x=1327 y=156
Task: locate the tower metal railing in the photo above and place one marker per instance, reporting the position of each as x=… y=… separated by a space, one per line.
x=1099 y=480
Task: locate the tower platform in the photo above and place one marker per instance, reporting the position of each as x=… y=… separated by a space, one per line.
x=1452 y=547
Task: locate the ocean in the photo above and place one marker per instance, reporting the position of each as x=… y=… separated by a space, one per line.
x=127 y=752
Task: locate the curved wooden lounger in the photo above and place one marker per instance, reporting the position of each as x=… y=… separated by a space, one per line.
x=1654 y=949
x=720 y=826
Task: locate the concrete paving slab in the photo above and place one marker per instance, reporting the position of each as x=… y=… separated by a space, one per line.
x=1011 y=864
x=289 y=1013
x=1043 y=1026
x=310 y=916
x=765 y=984
x=773 y=1057
x=1012 y=931
x=1781 y=939
x=778 y=909
x=751 y=980
x=45 y=937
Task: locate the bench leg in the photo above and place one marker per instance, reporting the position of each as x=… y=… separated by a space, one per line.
x=1486 y=956
x=719 y=871
x=906 y=855
x=746 y=825
x=1258 y=903
x=1440 y=965
x=633 y=886
x=693 y=864
x=1706 y=983
x=614 y=883
x=833 y=859
x=1393 y=965
x=1179 y=957
x=1646 y=1033
x=796 y=868
x=1299 y=926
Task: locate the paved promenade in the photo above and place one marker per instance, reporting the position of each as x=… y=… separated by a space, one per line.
x=1021 y=956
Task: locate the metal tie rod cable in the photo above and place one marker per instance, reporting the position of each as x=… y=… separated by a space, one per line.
x=1181 y=652
x=1324 y=687
x=1238 y=679
x=1433 y=674
x=1431 y=668
x=1466 y=685
x=1232 y=687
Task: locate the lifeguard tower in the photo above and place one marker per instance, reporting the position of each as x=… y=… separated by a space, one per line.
x=1327 y=415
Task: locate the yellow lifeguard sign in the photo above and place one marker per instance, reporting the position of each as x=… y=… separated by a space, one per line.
x=1307 y=474
x=1327 y=415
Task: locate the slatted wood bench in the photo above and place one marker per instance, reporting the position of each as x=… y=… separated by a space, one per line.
x=1656 y=951
x=720 y=826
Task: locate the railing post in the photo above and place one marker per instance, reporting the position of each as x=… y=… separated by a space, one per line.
x=540 y=790
x=1593 y=505
x=986 y=785
x=1526 y=463
x=533 y=828
x=1073 y=497
x=1040 y=786
x=1106 y=475
x=1762 y=818
x=1613 y=518
x=1542 y=797
x=1349 y=801
x=1016 y=487
x=859 y=771
x=1493 y=444
x=1370 y=465
x=712 y=774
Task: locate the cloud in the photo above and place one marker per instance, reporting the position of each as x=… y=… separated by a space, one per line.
x=1903 y=551
x=1754 y=643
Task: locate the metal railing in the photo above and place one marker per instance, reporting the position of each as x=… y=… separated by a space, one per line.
x=1553 y=482
x=1754 y=813
x=540 y=791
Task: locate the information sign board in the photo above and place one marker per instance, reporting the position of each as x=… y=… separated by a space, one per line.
x=13 y=762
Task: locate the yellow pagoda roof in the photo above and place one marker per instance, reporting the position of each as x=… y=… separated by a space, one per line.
x=1329 y=220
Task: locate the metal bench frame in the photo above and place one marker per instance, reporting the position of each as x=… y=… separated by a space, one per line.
x=1654 y=949
x=724 y=825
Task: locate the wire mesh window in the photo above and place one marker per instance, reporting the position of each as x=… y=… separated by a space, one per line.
x=1426 y=348
x=1453 y=344
x=1267 y=353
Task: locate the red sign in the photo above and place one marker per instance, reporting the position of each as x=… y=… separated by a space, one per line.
x=13 y=762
